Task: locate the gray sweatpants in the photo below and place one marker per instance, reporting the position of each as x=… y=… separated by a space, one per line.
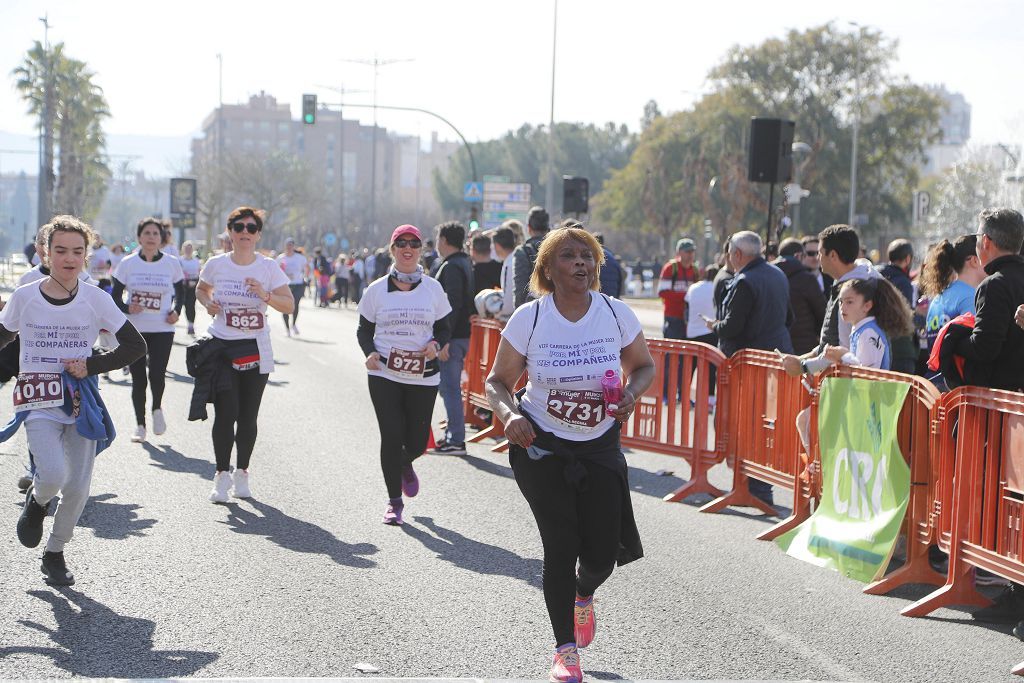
x=64 y=461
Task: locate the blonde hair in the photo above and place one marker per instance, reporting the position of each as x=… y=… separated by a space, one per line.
x=540 y=283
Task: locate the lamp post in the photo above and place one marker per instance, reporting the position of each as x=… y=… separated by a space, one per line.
x=856 y=124
x=802 y=149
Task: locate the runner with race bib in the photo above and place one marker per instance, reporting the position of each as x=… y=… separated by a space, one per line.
x=56 y=395
x=564 y=429
x=403 y=323
x=154 y=282
x=235 y=289
x=190 y=266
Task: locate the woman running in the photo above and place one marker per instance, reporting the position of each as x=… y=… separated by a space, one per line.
x=57 y=397
x=233 y=365
x=403 y=323
x=154 y=282
x=296 y=269
x=564 y=432
x=190 y=267
x=341 y=279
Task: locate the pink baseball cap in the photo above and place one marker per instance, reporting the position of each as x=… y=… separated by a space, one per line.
x=406 y=230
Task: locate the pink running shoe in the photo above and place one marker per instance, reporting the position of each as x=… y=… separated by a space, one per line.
x=586 y=620
x=566 y=667
x=410 y=482
x=393 y=514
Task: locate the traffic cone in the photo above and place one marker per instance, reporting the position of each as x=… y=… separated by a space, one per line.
x=431 y=444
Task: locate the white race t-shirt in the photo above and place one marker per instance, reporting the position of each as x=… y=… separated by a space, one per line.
x=567 y=360
x=700 y=299
x=151 y=285
x=294 y=267
x=50 y=334
x=99 y=263
x=404 y=321
x=190 y=268
x=243 y=315
x=36 y=274
x=171 y=250
x=115 y=259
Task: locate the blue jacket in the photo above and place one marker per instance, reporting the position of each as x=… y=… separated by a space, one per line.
x=93 y=421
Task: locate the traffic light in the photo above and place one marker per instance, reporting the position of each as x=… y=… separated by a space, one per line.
x=474 y=219
x=309 y=109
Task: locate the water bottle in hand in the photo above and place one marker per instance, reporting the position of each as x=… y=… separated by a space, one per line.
x=611 y=387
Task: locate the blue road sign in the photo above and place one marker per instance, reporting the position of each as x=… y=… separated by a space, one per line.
x=329 y=239
x=473 y=192
x=344 y=243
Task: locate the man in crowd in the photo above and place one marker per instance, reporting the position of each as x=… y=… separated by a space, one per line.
x=429 y=257
x=812 y=262
x=538 y=223
x=897 y=271
x=805 y=296
x=456 y=277
x=676 y=277
x=612 y=275
x=504 y=241
x=486 y=271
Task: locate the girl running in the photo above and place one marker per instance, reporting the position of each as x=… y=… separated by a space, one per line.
x=296 y=269
x=190 y=267
x=564 y=434
x=403 y=324
x=57 y=396
x=154 y=282
x=233 y=365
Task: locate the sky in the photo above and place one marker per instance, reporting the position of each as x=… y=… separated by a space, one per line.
x=484 y=65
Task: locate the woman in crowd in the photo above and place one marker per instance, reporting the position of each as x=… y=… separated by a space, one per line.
x=323 y=269
x=565 y=451
x=341 y=279
x=153 y=280
x=402 y=326
x=296 y=269
x=60 y=317
x=190 y=267
x=233 y=365
x=950 y=275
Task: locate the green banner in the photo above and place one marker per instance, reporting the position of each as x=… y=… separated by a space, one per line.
x=865 y=480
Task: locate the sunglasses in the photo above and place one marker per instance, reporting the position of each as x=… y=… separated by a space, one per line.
x=811 y=254
x=402 y=243
x=252 y=228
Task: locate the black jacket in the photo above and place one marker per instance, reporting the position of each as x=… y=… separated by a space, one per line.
x=456 y=277
x=756 y=310
x=807 y=302
x=523 y=258
x=900 y=280
x=994 y=353
x=208 y=359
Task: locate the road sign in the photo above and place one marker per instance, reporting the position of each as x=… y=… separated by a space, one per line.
x=183 y=195
x=922 y=206
x=330 y=239
x=344 y=243
x=473 y=192
x=503 y=200
x=183 y=221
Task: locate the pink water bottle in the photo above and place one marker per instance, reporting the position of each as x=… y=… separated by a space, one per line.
x=611 y=387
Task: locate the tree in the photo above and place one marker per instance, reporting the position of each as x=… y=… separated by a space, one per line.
x=963 y=190
x=61 y=91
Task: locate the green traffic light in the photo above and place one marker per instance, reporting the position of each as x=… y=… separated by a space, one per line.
x=474 y=224
x=309 y=118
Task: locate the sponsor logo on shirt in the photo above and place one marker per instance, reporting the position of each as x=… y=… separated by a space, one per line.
x=574 y=378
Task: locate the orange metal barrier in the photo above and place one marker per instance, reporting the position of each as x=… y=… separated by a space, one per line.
x=664 y=420
x=987 y=475
x=762 y=406
x=484 y=338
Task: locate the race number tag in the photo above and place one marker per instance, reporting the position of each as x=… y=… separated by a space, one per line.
x=407 y=364
x=38 y=390
x=149 y=301
x=245 y=319
x=578 y=410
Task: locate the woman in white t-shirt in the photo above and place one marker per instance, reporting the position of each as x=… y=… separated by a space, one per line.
x=153 y=280
x=403 y=323
x=341 y=279
x=59 y=318
x=296 y=269
x=235 y=289
x=564 y=434
x=190 y=267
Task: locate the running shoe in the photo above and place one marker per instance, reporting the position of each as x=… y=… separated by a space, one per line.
x=125 y=371
x=984 y=578
x=295 y=330
x=586 y=620
x=448 y=448
x=55 y=571
x=221 y=486
x=410 y=482
x=140 y=434
x=393 y=514
x=566 y=667
x=240 y=479
x=159 y=423
x=24 y=481
x=30 y=523
x=191 y=330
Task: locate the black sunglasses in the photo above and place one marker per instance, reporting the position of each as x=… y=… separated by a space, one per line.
x=812 y=254
x=402 y=243
x=252 y=228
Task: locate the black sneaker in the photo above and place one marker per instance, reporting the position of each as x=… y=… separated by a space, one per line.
x=446 y=448
x=30 y=523
x=55 y=572
x=1007 y=607
x=1018 y=630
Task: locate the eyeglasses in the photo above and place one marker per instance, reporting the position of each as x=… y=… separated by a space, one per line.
x=251 y=228
x=402 y=243
x=811 y=254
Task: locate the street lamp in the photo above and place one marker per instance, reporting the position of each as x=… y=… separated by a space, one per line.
x=856 y=124
x=794 y=192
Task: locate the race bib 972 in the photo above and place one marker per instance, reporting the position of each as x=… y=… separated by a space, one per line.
x=407 y=364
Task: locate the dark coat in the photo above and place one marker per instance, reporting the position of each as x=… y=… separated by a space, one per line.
x=756 y=310
x=900 y=280
x=807 y=302
x=994 y=352
x=456 y=277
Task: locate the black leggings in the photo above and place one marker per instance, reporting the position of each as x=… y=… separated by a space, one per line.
x=240 y=406
x=158 y=351
x=190 y=301
x=574 y=525
x=340 y=289
x=403 y=415
x=297 y=291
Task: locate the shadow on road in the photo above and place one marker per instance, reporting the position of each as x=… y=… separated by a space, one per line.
x=177 y=377
x=94 y=641
x=306 y=340
x=166 y=458
x=115 y=521
x=297 y=535
x=451 y=546
x=490 y=467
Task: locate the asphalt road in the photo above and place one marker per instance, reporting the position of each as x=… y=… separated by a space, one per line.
x=304 y=580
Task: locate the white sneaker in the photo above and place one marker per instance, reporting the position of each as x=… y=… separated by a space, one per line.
x=288 y=330
x=140 y=434
x=221 y=486
x=241 y=482
x=159 y=423
x=295 y=330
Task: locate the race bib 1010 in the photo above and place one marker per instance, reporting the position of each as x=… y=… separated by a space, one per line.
x=35 y=390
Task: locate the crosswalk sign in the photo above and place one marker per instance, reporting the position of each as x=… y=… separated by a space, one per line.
x=473 y=192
